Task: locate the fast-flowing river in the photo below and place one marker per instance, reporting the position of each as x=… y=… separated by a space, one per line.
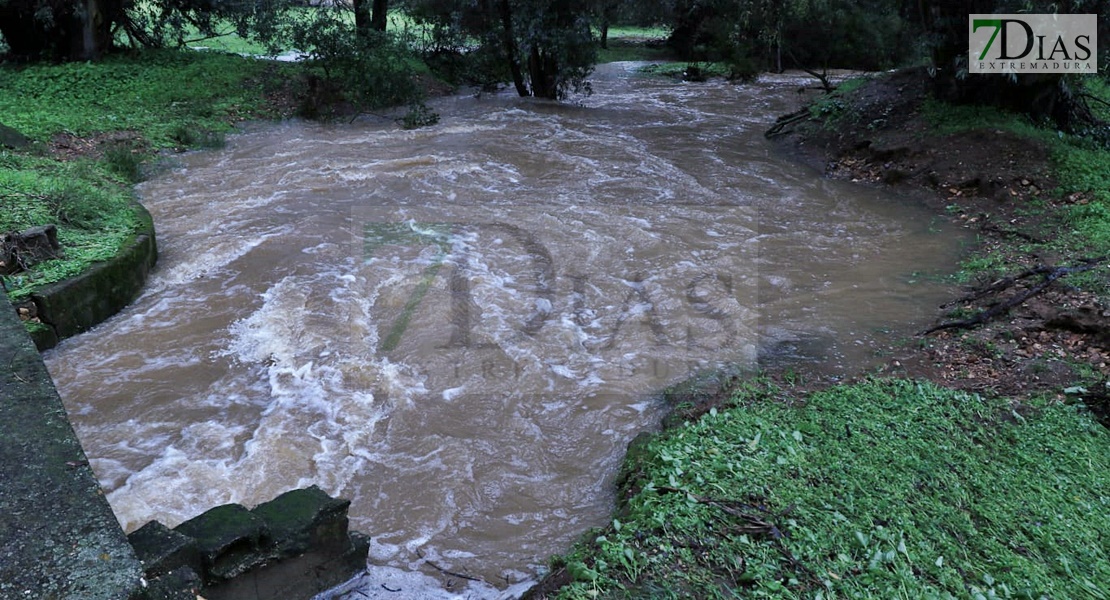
x=461 y=327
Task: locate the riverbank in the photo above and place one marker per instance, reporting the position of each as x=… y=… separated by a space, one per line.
x=1038 y=201
x=790 y=485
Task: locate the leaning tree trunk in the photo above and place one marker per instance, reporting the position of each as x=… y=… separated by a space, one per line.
x=509 y=45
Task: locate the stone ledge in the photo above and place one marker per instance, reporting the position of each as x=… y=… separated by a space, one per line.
x=291 y=547
x=78 y=304
x=59 y=536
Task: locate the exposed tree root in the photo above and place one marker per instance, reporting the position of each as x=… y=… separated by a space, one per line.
x=787 y=120
x=1048 y=274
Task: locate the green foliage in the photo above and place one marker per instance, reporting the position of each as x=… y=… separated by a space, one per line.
x=125 y=160
x=419 y=115
x=87 y=203
x=159 y=94
x=159 y=99
x=549 y=47
x=830 y=107
x=868 y=34
x=883 y=489
x=368 y=70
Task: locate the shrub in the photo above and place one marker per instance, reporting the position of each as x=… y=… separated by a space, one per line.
x=368 y=70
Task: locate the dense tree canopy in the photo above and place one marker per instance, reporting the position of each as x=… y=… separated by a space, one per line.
x=546 y=49
x=87 y=29
x=1043 y=95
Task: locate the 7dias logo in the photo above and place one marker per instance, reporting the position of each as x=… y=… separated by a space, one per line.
x=1032 y=43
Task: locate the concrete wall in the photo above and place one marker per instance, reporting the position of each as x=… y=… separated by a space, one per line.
x=78 y=304
x=58 y=536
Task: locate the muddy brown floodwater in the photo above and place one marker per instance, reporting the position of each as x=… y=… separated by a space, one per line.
x=460 y=327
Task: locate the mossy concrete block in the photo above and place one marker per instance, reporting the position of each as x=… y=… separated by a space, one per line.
x=43 y=336
x=304 y=519
x=13 y=138
x=79 y=303
x=229 y=538
x=58 y=536
x=163 y=550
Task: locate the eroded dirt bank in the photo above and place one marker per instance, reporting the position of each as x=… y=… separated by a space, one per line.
x=999 y=185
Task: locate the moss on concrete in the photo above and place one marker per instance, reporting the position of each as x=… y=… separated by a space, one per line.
x=80 y=303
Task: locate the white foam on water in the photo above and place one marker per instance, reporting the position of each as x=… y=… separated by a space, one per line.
x=380 y=583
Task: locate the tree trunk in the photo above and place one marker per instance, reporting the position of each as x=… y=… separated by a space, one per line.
x=362 y=17
x=542 y=70
x=96 y=30
x=378 y=16
x=508 y=41
x=605 y=34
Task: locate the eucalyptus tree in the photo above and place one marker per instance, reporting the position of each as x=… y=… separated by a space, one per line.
x=372 y=17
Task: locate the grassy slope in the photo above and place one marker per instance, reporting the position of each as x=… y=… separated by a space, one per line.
x=883 y=489
x=160 y=100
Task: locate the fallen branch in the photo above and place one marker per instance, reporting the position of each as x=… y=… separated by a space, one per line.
x=1048 y=276
x=823 y=77
x=785 y=121
x=1088 y=96
x=1000 y=285
x=754 y=523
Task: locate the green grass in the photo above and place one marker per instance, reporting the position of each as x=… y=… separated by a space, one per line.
x=679 y=70
x=158 y=94
x=883 y=489
x=162 y=99
x=632 y=49
x=631 y=32
x=830 y=107
x=90 y=206
x=1079 y=165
